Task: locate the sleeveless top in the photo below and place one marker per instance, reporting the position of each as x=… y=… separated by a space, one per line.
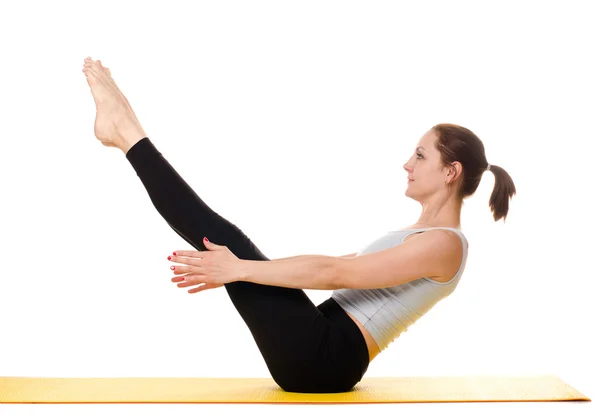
x=388 y=312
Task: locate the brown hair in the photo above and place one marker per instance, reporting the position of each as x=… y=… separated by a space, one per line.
x=456 y=143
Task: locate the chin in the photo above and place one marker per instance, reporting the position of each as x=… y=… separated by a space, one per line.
x=410 y=193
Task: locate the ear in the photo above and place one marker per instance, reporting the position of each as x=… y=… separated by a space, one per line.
x=454 y=171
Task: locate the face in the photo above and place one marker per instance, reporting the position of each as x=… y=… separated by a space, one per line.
x=424 y=167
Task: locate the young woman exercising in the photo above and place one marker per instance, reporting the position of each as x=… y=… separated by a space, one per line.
x=377 y=292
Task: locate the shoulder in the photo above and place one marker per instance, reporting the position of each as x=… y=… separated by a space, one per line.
x=445 y=239
x=449 y=246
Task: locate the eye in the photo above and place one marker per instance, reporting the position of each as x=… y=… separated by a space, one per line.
x=419 y=155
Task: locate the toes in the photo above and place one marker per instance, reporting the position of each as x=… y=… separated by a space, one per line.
x=90 y=64
x=90 y=71
x=87 y=70
x=93 y=67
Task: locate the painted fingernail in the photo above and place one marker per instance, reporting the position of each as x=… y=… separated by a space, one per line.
x=182 y=278
x=172 y=267
x=169 y=257
x=175 y=253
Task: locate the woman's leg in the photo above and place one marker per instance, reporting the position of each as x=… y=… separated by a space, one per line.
x=292 y=334
x=300 y=343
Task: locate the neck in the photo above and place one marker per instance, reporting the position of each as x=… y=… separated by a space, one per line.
x=446 y=215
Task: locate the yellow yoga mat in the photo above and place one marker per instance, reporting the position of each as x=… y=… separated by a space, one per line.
x=264 y=390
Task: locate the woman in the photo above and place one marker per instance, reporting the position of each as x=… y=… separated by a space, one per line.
x=377 y=292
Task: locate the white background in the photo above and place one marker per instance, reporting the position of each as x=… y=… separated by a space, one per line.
x=293 y=120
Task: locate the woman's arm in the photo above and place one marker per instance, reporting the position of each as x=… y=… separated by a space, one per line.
x=307 y=256
x=292 y=257
x=313 y=272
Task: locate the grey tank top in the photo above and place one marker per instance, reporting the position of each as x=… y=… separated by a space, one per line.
x=388 y=312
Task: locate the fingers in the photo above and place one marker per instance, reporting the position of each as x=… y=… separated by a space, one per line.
x=185 y=270
x=193 y=264
x=183 y=260
x=190 y=272
x=181 y=272
x=190 y=280
x=206 y=286
x=187 y=283
x=193 y=254
x=191 y=258
x=182 y=277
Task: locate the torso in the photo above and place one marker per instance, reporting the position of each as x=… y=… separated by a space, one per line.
x=371 y=344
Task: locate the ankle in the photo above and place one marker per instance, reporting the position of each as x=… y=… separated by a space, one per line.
x=130 y=140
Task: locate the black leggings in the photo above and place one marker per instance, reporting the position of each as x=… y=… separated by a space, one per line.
x=306 y=348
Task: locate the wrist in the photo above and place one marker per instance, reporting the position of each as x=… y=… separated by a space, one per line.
x=245 y=270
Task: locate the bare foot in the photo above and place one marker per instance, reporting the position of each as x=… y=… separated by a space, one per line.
x=107 y=72
x=116 y=124
x=110 y=78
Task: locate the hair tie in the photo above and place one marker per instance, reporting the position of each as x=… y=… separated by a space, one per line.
x=489 y=167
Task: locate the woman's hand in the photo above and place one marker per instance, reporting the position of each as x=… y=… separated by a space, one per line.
x=212 y=268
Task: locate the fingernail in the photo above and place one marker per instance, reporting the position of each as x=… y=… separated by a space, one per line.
x=205 y=239
x=172 y=267
x=175 y=253
x=169 y=257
